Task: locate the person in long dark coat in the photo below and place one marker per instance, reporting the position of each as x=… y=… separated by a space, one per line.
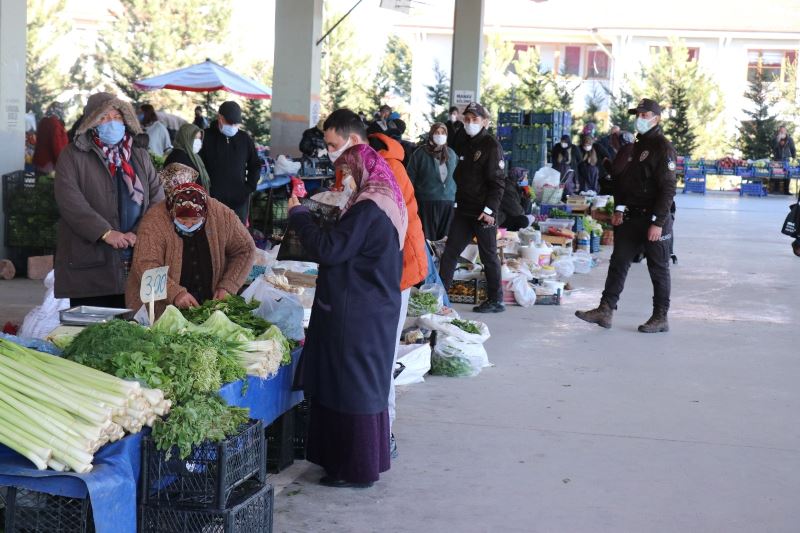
x=350 y=344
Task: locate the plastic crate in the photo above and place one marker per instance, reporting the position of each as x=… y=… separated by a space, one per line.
x=31 y=230
x=250 y=511
x=722 y=171
x=509 y=117
x=793 y=171
x=280 y=443
x=554 y=299
x=762 y=172
x=30 y=511
x=553 y=117
x=695 y=184
x=752 y=188
x=745 y=172
x=211 y=473
x=468 y=291
x=545 y=209
x=26 y=193
x=301 y=414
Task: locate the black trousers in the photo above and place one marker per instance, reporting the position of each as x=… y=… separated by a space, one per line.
x=112 y=300
x=436 y=217
x=462 y=229
x=630 y=239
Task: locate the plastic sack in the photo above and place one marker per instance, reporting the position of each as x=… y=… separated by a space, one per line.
x=565 y=267
x=34 y=344
x=545 y=176
x=416 y=309
x=454 y=358
x=413 y=362
x=44 y=318
x=277 y=307
x=551 y=195
x=444 y=325
x=292 y=249
x=284 y=165
x=523 y=292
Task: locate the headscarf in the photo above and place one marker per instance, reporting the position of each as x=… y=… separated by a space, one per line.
x=374 y=181
x=174 y=175
x=436 y=151
x=590 y=156
x=117 y=157
x=184 y=140
x=188 y=200
x=55 y=110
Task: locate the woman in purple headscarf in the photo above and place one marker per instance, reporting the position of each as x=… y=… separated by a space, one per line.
x=350 y=343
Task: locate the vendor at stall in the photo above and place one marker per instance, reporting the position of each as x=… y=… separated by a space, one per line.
x=209 y=253
x=350 y=345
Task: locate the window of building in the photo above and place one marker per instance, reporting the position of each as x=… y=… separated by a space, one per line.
x=572 y=61
x=773 y=64
x=597 y=65
x=693 y=53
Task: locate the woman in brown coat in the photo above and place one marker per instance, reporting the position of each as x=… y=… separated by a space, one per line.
x=208 y=250
x=104 y=183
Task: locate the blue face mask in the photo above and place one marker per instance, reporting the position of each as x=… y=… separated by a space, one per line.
x=111 y=132
x=186 y=230
x=229 y=130
x=140 y=116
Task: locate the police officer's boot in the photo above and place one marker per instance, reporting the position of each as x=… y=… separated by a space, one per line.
x=657 y=323
x=601 y=316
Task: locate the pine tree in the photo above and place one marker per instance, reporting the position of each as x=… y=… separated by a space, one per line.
x=256 y=114
x=594 y=103
x=757 y=131
x=344 y=69
x=438 y=94
x=44 y=80
x=496 y=80
x=534 y=82
x=618 y=105
x=678 y=127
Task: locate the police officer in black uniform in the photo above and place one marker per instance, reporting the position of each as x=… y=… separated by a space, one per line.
x=644 y=191
x=480 y=181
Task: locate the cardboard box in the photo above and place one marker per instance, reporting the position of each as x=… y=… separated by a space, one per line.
x=39 y=266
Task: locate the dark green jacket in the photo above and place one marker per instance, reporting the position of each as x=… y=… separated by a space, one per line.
x=423 y=171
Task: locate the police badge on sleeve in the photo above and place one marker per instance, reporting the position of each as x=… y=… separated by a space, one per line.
x=670 y=165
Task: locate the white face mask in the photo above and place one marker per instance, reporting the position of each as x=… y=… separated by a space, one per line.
x=333 y=156
x=587 y=147
x=473 y=129
x=453 y=117
x=564 y=145
x=643 y=125
x=782 y=136
x=440 y=139
x=196 y=145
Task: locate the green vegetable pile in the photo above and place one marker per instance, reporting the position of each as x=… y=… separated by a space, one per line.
x=235 y=308
x=466 y=325
x=454 y=367
x=558 y=213
x=423 y=303
x=189 y=366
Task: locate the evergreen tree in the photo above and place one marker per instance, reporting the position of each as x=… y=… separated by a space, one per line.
x=563 y=92
x=678 y=127
x=496 y=80
x=618 y=105
x=438 y=95
x=256 y=114
x=757 y=131
x=44 y=80
x=344 y=69
x=534 y=82
x=149 y=38
x=594 y=103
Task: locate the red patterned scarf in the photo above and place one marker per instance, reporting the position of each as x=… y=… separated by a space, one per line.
x=119 y=156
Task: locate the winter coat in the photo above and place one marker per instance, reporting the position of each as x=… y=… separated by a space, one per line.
x=159 y=140
x=415 y=260
x=157 y=244
x=51 y=139
x=511 y=205
x=349 y=347
x=480 y=176
x=179 y=156
x=423 y=171
x=233 y=166
x=86 y=195
x=780 y=152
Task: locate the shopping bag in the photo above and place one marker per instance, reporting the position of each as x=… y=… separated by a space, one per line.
x=277 y=307
x=413 y=362
x=324 y=216
x=791 y=226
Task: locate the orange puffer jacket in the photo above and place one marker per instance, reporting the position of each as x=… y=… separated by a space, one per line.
x=415 y=260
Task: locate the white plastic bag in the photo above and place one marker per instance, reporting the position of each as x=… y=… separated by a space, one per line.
x=413 y=361
x=277 y=307
x=284 y=165
x=545 y=176
x=565 y=267
x=44 y=318
x=523 y=292
x=444 y=324
x=455 y=358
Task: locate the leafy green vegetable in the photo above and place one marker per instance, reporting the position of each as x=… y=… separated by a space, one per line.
x=98 y=345
x=220 y=325
x=274 y=333
x=466 y=325
x=558 y=213
x=235 y=308
x=454 y=367
x=422 y=303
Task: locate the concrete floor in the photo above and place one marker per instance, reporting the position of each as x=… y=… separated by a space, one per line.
x=579 y=429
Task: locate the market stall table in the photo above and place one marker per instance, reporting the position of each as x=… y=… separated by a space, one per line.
x=111 y=485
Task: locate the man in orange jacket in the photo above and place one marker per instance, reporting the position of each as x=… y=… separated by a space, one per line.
x=344 y=129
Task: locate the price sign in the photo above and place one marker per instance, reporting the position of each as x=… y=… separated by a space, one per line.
x=154 y=284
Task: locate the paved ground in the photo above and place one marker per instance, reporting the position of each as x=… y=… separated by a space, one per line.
x=578 y=429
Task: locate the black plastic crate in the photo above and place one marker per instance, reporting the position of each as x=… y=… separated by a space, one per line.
x=28 y=511
x=26 y=193
x=250 y=512
x=300 y=439
x=31 y=230
x=280 y=443
x=206 y=478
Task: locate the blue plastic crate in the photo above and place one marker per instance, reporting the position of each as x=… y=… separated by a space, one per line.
x=545 y=209
x=745 y=172
x=509 y=117
x=762 y=172
x=695 y=173
x=695 y=184
x=725 y=171
x=504 y=131
x=752 y=188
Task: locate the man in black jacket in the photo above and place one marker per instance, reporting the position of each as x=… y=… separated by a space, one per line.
x=231 y=160
x=644 y=192
x=480 y=181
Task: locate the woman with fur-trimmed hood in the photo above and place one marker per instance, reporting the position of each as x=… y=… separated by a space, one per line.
x=105 y=182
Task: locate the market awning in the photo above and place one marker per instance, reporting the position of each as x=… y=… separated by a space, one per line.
x=205 y=77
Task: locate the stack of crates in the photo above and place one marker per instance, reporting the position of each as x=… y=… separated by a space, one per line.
x=751 y=185
x=527 y=138
x=28 y=511
x=694 y=176
x=506 y=122
x=218 y=487
x=31 y=216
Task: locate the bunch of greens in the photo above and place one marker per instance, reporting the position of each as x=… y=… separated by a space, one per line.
x=466 y=325
x=423 y=303
x=235 y=308
x=454 y=367
x=558 y=213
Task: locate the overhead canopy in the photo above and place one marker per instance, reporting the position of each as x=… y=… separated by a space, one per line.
x=204 y=77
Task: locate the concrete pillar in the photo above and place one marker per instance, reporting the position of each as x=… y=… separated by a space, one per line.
x=12 y=93
x=295 y=79
x=465 y=85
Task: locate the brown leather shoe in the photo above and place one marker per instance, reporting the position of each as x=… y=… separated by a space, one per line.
x=601 y=316
x=657 y=323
